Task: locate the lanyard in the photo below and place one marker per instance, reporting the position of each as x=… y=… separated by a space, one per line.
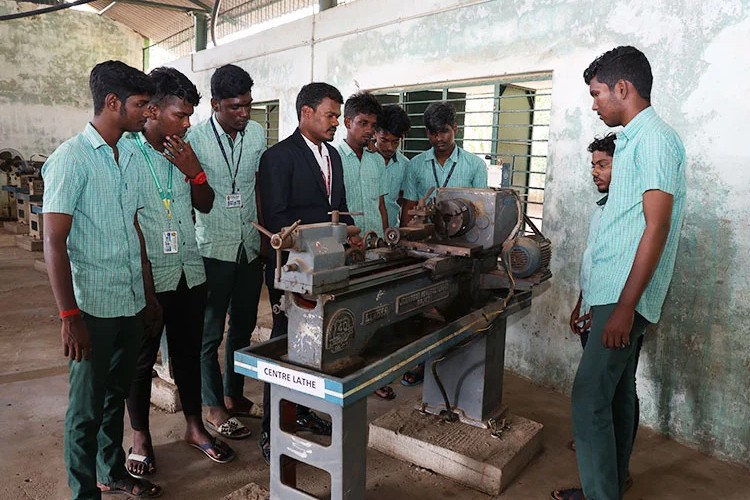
x=450 y=173
x=328 y=179
x=166 y=197
x=226 y=158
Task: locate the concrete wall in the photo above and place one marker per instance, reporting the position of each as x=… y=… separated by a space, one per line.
x=44 y=70
x=695 y=370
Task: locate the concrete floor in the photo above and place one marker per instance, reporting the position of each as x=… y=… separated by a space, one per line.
x=33 y=397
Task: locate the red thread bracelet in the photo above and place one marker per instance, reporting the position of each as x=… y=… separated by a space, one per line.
x=69 y=312
x=198 y=179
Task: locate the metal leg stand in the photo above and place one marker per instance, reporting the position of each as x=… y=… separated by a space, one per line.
x=345 y=458
x=472 y=376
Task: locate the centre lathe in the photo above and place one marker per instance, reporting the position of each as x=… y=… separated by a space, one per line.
x=360 y=317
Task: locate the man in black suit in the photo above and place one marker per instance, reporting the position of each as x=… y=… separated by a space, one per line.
x=301 y=178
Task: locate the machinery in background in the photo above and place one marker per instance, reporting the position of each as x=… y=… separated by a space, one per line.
x=21 y=189
x=11 y=160
x=13 y=163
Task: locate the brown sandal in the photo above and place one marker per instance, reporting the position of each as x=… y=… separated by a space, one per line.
x=139 y=488
x=385 y=392
x=567 y=494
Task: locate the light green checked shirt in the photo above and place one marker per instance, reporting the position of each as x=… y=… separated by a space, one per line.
x=648 y=155
x=167 y=268
x=364 y=181
x=585 y=278
x=221 y=231
x=395 y=171
x=461 y=169
x=83 y=180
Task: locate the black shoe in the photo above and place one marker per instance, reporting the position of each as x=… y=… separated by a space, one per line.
x=310 y=422
x=264 y=443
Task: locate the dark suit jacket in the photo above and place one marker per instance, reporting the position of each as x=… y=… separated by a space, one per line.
x=291 y=185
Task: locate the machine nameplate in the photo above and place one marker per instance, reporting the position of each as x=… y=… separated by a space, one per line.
x=425 y=296
x=340 y=331
x=292 y=379
x=372 y=315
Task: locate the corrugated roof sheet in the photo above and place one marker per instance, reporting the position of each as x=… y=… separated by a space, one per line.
x=171 y=21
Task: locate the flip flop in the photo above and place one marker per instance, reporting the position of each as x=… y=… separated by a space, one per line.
x=231 y=429
x=411 y=379
x=385 y=392
x=217 y=446
x=567 y=494
x=146 y=460
x=128 y=485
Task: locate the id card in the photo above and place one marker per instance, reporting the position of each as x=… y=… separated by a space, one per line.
x=169 y=241
x=234 y=201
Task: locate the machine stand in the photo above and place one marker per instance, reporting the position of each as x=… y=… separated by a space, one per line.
x=344 y=459
x=472 y=376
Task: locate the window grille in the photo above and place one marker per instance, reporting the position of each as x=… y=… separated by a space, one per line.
x=235 y=19
x=267 y=114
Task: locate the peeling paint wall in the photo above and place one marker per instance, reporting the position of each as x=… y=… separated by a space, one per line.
x=44 y=70
x=695 y=370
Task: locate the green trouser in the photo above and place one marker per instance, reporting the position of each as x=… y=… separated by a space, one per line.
x=98 y=388
x=604 y=409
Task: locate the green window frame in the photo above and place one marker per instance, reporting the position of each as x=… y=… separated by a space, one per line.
x=267 y=114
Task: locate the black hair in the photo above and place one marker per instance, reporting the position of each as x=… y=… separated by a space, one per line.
x=312 y=95
x=604 y=144
x=438 y=116
x=116 y=77
x=171 y=83
x=230 y=81
x=622 y=63
x=394 y=120
x=362 y=103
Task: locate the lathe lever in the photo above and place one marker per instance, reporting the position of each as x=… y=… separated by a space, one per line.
x=277 y=241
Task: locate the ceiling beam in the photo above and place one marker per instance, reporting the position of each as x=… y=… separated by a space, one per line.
x=159 y=5
x=201 y=5
x=43 y=2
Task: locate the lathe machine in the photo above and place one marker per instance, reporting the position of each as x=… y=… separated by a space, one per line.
x=360 y=317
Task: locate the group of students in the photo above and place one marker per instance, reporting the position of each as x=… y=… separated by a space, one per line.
x=148 y=228
x=148 y=225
